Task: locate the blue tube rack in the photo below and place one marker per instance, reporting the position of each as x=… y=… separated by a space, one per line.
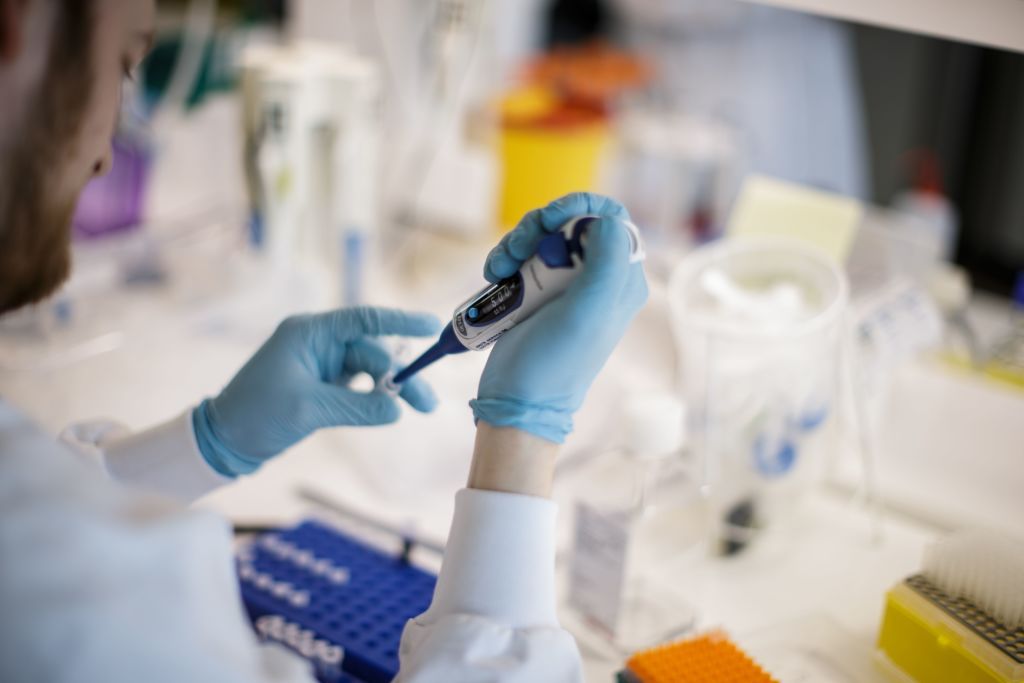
x=336 y=601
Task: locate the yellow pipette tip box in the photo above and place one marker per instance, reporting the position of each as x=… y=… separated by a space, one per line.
x=710 y=658
x=928 y=636
x=767 y=207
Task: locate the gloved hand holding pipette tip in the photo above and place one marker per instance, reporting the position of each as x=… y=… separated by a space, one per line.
x=298 y=382
x=539 y=372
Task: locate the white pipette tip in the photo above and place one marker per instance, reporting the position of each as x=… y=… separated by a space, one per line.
x=387 y=384
x=637 y=253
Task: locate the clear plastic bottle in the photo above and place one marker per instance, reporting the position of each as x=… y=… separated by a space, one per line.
x=1006 y=360
x=639 y=519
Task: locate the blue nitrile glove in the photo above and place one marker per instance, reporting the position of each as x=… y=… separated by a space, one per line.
x=298 y=382
x=540 y=370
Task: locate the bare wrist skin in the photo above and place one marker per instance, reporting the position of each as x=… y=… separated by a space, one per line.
x=512 y=461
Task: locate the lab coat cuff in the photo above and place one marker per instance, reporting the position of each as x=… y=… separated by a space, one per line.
x=165 y=459
x=500 y=560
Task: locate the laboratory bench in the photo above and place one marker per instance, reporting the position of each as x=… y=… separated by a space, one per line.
x=811 y=596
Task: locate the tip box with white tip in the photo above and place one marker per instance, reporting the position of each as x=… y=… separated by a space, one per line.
x=962 y=618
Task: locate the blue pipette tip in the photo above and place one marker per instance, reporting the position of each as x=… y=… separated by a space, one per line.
x=446 y=345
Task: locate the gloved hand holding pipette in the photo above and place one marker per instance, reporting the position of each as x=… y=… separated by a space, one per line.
x=563 y=266
x=539 y=372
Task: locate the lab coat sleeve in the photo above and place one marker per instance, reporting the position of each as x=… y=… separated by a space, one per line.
x=493 y=613
x=102 y=583
x=164 y=459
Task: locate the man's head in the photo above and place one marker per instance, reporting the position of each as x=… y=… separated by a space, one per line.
x=62 y=63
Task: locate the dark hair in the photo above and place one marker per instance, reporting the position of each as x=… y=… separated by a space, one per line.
x=35 y=241
x=69 y=76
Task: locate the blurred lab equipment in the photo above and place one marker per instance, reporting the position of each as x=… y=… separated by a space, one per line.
x=311 y=155
x=487 y=315
x=892 y=318
x=758 y=323
x=593 y=71
x=962 y=617
x=186 y=86
x=930 y=214
x=895 y=317
x=638 y=515
x=891 y=324
x=1006 y=359
x=784 y=80
x=437 y=65
x=333 y=599
x=921 y=403
x=677 y=169
x=556 y=128
x=548 y=147
x=679 y=172
x=114 y=202
x=770 y=207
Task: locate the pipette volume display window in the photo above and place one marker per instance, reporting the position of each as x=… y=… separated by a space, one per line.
x=498 y=300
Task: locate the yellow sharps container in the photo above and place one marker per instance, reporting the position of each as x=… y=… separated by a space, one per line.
x=548 y=148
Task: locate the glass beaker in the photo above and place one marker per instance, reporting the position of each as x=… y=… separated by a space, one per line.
x=758 y=324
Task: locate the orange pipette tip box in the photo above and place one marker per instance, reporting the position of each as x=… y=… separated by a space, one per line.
x=710 y=658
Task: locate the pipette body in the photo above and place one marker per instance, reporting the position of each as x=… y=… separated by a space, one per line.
x=484 y=317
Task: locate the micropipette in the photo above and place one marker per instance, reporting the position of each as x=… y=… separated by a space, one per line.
x=494 y=310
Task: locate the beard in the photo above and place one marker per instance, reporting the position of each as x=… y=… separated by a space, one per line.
x=35 y=220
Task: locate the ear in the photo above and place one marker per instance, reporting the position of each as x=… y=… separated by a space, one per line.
x=12 y=17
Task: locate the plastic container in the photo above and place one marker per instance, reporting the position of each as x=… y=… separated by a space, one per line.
x=548 y=148
x=332 y=598
x=115 y=203
x=933 y=218
x=930 y=636
x=639 y=516
x=758 y=325
x=1006 y=359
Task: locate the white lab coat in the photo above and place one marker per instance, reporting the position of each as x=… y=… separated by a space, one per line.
x=105 y=582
